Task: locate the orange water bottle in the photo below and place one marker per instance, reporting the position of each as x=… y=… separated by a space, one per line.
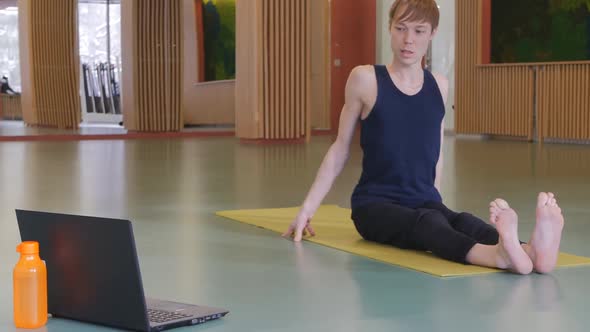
x=29 y=287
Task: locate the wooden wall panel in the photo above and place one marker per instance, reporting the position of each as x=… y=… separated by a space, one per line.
x=10 y=107
x=516 y=99
x=274 y=69
x=287 y=69
x=563 y=101
x=50 y=52
x=158 y=66
x=503 y=102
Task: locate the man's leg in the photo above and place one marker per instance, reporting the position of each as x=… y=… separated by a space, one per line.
x=429 y=230
x=443 y=240
x=468 y=224
x=406 y=228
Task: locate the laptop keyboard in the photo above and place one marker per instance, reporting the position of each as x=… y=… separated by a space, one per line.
x=162 y=316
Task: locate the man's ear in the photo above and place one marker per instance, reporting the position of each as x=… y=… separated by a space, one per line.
x=433 y=33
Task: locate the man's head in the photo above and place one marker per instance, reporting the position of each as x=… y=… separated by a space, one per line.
x=416 y=11
x=412 y=24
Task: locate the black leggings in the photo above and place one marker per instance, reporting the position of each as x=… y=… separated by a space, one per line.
x=430 y=227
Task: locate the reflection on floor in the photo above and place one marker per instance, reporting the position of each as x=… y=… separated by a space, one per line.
x=17 y=131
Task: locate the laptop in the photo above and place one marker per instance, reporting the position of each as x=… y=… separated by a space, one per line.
x=93 y=274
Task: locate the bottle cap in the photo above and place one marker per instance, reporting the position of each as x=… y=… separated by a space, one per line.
x=28 y=247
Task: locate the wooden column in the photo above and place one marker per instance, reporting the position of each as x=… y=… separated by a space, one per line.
x=49 y=60
x=151 y=52
x=273 y=69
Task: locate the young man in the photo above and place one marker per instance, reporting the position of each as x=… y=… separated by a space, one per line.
x=397 y=200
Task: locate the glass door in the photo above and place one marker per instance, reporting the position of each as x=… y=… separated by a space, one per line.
x=100 y=60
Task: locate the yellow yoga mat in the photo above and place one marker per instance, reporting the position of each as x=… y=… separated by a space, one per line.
x=335 y=229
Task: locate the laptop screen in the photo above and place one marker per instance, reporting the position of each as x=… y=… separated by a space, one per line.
x=92 y=268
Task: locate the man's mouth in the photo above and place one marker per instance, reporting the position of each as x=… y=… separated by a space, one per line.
x=407 y=53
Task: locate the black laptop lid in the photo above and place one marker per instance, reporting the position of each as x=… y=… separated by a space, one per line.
x=92 y=269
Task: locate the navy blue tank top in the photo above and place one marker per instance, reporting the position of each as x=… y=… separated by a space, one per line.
x=400 y=139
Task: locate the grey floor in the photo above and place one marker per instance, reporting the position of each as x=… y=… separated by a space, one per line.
x=170 y=189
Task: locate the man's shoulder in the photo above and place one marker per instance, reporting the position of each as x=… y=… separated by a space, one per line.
x=363 y=72
x=443 y=85
x=362 y=76
x=440 y=79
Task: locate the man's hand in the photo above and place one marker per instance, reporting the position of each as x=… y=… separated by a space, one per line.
x=300 y=226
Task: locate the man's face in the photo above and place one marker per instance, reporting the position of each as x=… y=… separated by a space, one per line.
x=410 y=40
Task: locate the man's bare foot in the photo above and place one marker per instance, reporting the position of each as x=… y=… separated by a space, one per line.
x=544 y=244
x=511 y=255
